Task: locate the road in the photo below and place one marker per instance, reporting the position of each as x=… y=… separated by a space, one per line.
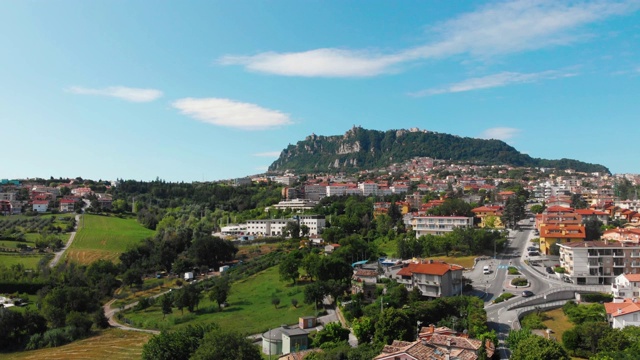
x=59 y=253
x=499 y=318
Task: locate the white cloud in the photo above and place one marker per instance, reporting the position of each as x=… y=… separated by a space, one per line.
x=229 y=113
x=500 y=133
x=495 y=29
x=268 y=154
x=492 y=81
x=120 y=92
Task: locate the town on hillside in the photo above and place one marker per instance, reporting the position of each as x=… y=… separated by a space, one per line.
x=426 y=259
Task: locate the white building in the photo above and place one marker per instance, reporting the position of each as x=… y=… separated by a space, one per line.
x=294 y=204
x=622 y=313
x=438 y=225
x=368 y=188
x=40 y=206
x=275 y=227
x=626 y=286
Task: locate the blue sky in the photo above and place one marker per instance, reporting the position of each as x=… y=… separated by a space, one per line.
x=208 y=90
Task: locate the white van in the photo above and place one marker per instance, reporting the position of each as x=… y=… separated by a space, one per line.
x=485 y=270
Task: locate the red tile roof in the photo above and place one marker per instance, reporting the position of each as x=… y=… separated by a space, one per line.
x=618 y=309
x=436 y=268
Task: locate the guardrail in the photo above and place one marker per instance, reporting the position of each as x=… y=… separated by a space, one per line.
x=554 y=295
x=529 y=309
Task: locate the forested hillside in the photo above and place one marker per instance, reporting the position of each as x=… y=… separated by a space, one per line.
x=361 y=149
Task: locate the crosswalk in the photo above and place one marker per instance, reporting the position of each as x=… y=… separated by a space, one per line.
x=508 y=266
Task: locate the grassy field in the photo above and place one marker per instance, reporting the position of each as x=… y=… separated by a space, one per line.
x=250 y=309
x=558 y=322
x=104 y=237
x=112 y=344
x=29 y=261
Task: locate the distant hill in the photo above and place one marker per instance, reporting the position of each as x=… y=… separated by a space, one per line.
x=360 y=149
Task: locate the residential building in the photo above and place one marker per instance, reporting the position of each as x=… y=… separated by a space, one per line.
x=67 y=205
x=559 y=234
x=438 y=225
x=432 y=278
x=626 y=235
x=592 y=214
x=5 y=207
x=40 y=206
x=489 y=216
x=368 y=188
x=623 y=313
x=286 y=180
x=8 y=196
x=315 y=192
x=626 y=286
x=599 y=262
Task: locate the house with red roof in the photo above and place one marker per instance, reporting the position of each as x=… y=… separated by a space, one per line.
x=40 y=206
x=67 y=205
x=489 y=216
x=433 y=278
x=623 y=313
x=551 y=234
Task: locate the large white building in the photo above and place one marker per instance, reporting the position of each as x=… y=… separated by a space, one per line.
x=599 y=262
x=275 y=227
x=622 y=313
x=626 y=286
x=437 y=225
x=294 y=204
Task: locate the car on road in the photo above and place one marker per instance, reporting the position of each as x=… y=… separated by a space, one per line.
x=486 y=270
x=527 y=293
x=532 y=248
x=549 y=270
x=534 y=253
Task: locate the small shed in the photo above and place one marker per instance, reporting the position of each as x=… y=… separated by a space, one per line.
x=294 y=340
x=224 y=268
x=307 y=322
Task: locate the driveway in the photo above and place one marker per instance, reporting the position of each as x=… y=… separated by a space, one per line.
x=59 y=253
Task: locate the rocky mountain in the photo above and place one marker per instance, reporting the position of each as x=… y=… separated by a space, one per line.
x=360 y=149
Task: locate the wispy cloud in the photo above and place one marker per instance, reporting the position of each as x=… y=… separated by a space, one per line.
x=495 y=29
x=120 y=92
x=229 y=113
x=492 y=81
x=500 y=133
x=268 y=154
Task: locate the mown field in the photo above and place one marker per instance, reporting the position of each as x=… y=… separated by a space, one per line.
x=250 y=309
x=104 y=237
x=112 y=344
x=29 y=261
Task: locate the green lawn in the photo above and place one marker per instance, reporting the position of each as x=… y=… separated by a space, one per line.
x=558 y=322
x=105 y=237
x=29 y=261
x=250 y=309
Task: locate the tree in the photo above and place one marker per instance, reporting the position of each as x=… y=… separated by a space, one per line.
x=537 y=209
x=167 y=305
x=292 y=229
x=392 y=325
x=539 y=348
x=275 y=301
x=593 y=229
x=363 y=329
x=221 y=344
x=294 y=302
x=311 y=264
x=220 y=290
x=178 y=344
x=289 y=267
x=332 y=333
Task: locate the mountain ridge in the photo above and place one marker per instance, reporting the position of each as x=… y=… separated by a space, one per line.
x=363 y=149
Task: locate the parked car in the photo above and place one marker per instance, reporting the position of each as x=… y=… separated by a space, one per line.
x=527 y=293
x=532 y=248
x=550 y=270
x=534 y=253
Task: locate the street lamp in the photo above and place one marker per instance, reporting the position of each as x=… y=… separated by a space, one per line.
x=418 y=332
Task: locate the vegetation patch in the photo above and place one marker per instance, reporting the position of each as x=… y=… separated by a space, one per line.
x=503 y=297
x=250 y=307
x=519 y=281
x=513 y=271
x=105 y=237
x=557 y=321
x=534 y=320
x=112 y=344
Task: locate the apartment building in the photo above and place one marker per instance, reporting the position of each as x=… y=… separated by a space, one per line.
x=559 y=234
x=599 y=262
x=438 y=225
x=433 y=278
x=275 y=227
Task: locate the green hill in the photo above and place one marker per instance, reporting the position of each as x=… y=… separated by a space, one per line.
x=360 y=149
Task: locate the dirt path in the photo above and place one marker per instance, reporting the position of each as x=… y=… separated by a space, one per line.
x=110 y=313
x=72 y=236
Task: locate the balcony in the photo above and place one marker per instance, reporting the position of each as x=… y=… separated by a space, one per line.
x=635 y=264
x=618 y=254
x=594 y=265
x=635 y=255
x=592 y=255
x=618 y=264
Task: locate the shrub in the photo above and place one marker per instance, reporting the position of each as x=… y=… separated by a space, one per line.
x=513 y=271
x=534 y=321
x=599 y=297
x=559 y=269
x=519 y=281
x=503 y=297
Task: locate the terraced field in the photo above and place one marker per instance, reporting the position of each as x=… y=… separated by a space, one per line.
x=112 y=344
x=105 y=237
